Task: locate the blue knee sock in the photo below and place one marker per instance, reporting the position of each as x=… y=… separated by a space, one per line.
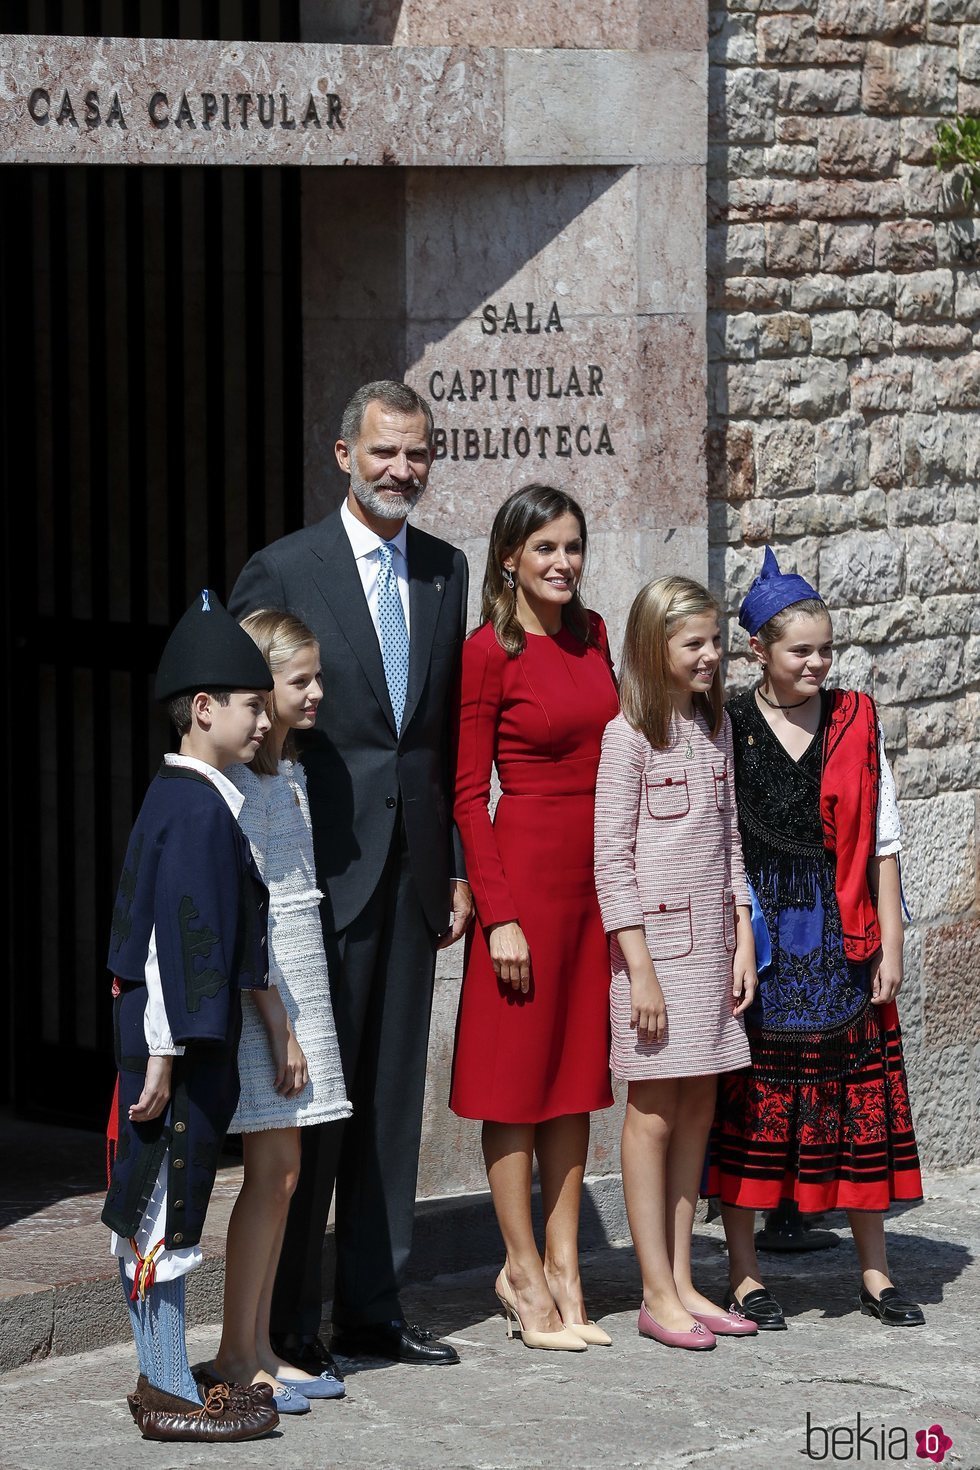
x=158 y=1327
x=136 y=1322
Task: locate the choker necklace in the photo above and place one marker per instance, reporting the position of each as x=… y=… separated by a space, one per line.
x=773 y=705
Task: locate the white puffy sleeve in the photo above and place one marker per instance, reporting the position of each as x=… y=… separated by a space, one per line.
x=889 y=839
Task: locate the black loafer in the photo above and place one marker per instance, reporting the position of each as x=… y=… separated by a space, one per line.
x=762 y=1308
x=398 y=1342
x=892 y=1308
x=786 y=1230
x=308 y=1353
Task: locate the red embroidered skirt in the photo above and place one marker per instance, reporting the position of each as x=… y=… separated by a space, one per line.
x=845 y=1143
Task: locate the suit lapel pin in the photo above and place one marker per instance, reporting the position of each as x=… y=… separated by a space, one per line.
x=438 y=584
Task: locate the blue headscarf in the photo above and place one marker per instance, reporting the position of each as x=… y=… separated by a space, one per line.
x=772 y=591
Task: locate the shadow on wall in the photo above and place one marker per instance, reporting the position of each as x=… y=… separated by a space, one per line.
x=350 y=22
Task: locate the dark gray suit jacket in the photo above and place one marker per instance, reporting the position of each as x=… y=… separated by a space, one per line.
x=357 y=767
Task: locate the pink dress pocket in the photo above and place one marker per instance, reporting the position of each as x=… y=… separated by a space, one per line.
x=668 y=796
x=668 y=930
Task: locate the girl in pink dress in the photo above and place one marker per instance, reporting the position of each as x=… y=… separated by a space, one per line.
x=675 y=903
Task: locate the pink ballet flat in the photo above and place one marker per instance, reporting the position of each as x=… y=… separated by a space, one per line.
x=732 y=1324
x=698 y=1338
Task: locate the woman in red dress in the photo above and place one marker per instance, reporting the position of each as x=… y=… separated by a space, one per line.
x=532 y=1040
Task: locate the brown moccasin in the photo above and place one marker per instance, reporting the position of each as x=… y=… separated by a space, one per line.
x=225 y=1414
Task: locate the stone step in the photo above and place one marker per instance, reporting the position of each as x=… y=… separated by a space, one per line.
x=59 y=1286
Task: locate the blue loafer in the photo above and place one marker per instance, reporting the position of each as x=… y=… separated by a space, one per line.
x=288 y=1401
x=326 y=1386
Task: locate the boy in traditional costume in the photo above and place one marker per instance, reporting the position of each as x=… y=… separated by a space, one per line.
x=188 y=934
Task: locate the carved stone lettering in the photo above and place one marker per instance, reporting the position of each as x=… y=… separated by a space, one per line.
x=508 y=319
x=528 y=388
x=66 y=113
x=157 y=109
x=507 y=442
x=184 y=114
x=205 y=110
x=39 y=104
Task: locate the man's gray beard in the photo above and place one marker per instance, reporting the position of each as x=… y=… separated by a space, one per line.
x=388 y=504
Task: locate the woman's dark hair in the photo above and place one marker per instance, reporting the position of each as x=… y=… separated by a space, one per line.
x=521 y=514
x=773 y=630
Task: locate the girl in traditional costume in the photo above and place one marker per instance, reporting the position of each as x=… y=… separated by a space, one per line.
x=822 y=1117
x=674 y=901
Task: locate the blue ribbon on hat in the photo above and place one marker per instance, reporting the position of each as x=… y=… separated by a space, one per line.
x=770 y=593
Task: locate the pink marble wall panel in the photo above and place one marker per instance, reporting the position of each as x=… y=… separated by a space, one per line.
x=674 y=25
x=605 y=106
x=672 y=404
x=161 y=101
x=525 y=234
x=115 y=100
x=520 y=304
x=512 y=407
x=670 y=238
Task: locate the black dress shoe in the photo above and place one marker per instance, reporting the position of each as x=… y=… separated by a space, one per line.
x=308 y=1353
x=786 y=1230
x=892 y=1308
x=762 y=1308
x=398 y=1341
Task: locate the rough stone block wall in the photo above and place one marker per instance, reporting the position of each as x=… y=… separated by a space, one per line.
x=844 y=428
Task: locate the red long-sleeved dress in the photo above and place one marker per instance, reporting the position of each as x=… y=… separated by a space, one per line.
x=539 y=718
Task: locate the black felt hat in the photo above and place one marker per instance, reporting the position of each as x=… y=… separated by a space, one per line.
x=208 y=650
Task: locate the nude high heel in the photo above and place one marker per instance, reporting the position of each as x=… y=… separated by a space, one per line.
x=591 y=1333
x=564 y=1340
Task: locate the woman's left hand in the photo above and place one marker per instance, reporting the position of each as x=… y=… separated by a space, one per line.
x=886 y=979
x=745 y=982
x=292 y=1073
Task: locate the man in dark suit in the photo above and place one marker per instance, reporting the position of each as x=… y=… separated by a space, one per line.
x=388 y=605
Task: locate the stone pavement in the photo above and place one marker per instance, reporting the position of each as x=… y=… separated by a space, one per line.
x=744 y=1405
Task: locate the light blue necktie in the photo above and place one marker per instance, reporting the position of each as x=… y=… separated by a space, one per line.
x=392 y=633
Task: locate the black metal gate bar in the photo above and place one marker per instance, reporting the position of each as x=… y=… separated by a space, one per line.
x=94 y=418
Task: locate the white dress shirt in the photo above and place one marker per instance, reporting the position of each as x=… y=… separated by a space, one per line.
x=159 y=1038
x=364 y=544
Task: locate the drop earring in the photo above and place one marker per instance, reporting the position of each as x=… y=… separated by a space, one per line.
x=508 y=577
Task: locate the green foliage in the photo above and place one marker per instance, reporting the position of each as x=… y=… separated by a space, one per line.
x=958 y=145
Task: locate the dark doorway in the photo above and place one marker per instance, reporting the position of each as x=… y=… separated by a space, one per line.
x=152 y=438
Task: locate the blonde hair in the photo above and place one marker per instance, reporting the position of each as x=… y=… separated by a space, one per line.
x=521 y=514
x=278 y=636
x=658 y=611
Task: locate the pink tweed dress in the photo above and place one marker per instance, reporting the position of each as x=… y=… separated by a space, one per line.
x=668 y=856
